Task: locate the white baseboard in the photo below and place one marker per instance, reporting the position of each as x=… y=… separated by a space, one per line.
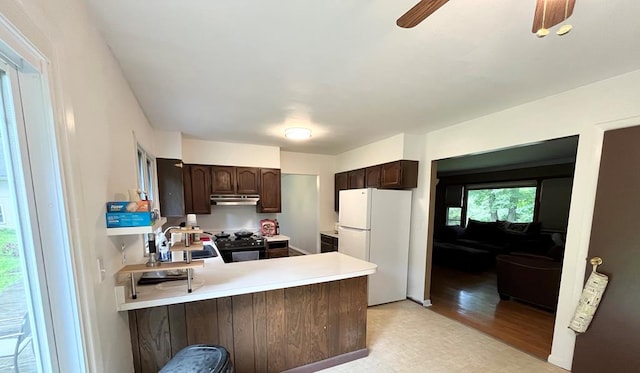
x=305 y=252
x=425 y=303
x=560 y=361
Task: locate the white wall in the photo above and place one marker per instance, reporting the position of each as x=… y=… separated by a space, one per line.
x=585 y=111
x=555 y=199
x=97 y=118
x=232 y=218
x=383 y=151
x=167 y=144
x=299 y=217
x=324 y=167
x=230 y=154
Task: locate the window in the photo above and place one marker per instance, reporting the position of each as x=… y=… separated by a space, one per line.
x=146 y=173
x=515 y=204
x=454 y=215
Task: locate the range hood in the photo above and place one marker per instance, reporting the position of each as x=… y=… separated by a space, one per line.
x=235 y=199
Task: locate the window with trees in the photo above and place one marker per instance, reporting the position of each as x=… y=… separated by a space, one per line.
x=514 y=203
x=454 y=215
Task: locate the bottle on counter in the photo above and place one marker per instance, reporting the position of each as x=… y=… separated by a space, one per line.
x=196 y=236
x=277 y=227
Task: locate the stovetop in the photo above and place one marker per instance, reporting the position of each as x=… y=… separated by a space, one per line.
x=233 y=242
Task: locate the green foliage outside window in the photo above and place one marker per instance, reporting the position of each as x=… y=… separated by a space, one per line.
x=512 y=204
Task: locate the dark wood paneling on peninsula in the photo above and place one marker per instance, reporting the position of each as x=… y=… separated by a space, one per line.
x=264 y=332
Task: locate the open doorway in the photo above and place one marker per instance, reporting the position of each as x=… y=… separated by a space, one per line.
x=300 y=213
x=499 y=226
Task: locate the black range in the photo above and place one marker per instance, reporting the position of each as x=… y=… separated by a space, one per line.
x=241 y=246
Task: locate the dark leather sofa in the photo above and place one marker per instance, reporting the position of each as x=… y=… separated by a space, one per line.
x=476 y=246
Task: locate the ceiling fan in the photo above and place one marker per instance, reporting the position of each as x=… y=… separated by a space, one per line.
x=548 y=14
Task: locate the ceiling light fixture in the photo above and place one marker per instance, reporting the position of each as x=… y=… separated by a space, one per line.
x=297 y=133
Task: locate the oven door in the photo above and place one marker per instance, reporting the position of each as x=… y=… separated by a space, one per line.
x=243 y=254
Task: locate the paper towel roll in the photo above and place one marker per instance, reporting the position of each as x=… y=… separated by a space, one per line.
x=191 y=220
x=134 y=196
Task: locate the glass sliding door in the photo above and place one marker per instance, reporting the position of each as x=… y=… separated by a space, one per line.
x=39 y=319
x=18 y=266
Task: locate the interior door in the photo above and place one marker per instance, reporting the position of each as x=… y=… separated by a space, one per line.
x=611 y=342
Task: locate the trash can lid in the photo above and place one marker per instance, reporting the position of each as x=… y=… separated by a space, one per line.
x=198 y=359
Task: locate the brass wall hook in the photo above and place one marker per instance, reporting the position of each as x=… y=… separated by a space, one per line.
x=595 y=262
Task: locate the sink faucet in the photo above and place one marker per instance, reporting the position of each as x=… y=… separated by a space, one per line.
x=164 y=233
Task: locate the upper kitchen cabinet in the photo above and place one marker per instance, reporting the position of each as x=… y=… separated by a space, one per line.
x=372 y=177
x=170 y=187
x=341 y=183
x=247 y=179
x=197 y=189
x=356 y=179
x=269 y=191
x=393 y=175
x=223 y=180
x=399 y=175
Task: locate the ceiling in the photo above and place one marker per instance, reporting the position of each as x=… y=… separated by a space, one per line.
x=243 y=71
x=545 y=153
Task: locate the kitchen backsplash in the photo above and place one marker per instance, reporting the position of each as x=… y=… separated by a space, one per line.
x=230 y=219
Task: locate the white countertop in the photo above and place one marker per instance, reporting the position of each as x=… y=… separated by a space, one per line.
x=329 y=233
x=279 y=237
x=218 y=279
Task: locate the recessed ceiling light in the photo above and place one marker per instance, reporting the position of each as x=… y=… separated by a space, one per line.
x=297 y=133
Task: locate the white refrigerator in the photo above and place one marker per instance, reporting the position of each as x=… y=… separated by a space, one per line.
x=374 y=225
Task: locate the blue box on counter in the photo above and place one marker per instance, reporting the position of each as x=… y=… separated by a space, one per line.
x=129 y=206
x=128 y=219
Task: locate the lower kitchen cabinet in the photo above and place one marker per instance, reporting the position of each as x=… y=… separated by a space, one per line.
x=277 y=249
x=328 y=243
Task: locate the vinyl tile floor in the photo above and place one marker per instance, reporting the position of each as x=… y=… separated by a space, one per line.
x=406 y=337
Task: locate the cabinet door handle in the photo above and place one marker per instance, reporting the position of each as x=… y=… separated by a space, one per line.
x=178 y=165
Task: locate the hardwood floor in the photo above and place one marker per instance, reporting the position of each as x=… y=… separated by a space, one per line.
x=294 y=252
x=472 y=299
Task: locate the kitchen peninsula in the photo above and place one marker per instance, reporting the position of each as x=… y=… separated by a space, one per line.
x=298 y=313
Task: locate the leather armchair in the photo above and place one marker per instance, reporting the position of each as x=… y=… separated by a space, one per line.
x=531 y=278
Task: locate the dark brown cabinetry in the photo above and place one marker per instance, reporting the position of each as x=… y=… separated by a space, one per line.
x=197 y=189
x=269 y=190
x=223 y=180
x=277 y=249
x=341 y=183
x=393 y=175
x=356 y=179
x=328 y=243
x=188 y=190
x=372 y=177
x=266 y=331
x=170 y=186
x=247 y=180
x=399 y=175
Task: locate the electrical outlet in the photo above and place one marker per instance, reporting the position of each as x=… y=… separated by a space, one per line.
x=102 y=272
